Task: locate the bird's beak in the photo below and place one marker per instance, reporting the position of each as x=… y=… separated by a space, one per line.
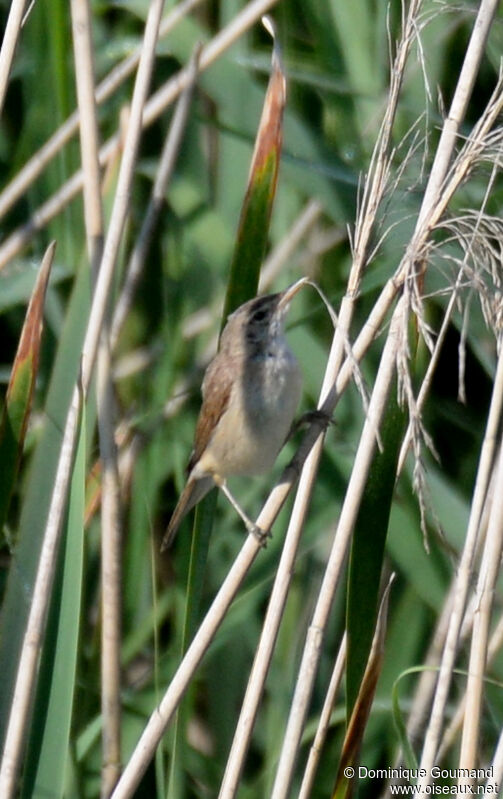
x=288 y=294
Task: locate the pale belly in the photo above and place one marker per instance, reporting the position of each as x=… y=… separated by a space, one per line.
x=255 y=425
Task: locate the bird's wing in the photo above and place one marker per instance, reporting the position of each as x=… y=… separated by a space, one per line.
x=217 y=387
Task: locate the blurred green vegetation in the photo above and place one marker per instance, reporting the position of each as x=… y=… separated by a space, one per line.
x=336 y=57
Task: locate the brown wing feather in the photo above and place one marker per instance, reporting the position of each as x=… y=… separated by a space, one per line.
x=217 y=387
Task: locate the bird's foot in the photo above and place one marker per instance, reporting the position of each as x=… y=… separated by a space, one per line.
x=262 y=536
x=321 y=417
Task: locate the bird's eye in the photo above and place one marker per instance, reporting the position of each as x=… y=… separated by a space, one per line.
x=260 y=314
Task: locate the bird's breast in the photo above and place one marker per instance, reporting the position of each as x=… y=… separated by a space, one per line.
x=271 y=388
x=258 y=417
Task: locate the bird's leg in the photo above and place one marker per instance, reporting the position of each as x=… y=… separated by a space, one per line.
x=254 y=529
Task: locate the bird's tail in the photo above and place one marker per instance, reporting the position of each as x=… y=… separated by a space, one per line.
x=193 y=492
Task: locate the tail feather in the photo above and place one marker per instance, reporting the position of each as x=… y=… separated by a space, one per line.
x=193 y=492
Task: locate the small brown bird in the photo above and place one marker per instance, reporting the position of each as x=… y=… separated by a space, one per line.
x=251 y=391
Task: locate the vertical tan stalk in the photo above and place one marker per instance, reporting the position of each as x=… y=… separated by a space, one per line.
x=9 y=42
x=111 y=548
x=452 y=731
x=165 y=170
x=111 y=577
x=324 y=723
x=488 y=575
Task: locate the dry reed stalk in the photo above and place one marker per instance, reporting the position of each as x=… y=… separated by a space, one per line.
x=111 y=537
x=37 y=616
x=111 y=576
x=89 y=137
x=167 y=162
x=484 y=595
x=324 y=723
x=456 y=723
x=9 y=42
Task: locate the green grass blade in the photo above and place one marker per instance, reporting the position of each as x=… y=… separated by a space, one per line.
x=367 y=550
x=253 y=228
x=48 y=748
x=198 y=557
x=19 y=396
x=363 y=703
x=409 y=755
x=38 y=493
